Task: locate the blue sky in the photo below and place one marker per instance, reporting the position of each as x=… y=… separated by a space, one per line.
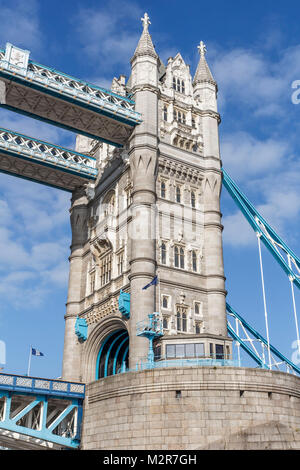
x=254 y=54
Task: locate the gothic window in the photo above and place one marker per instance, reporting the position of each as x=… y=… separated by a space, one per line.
x=193 y=122
x=182 y=87
x=197 y=308
x=183 y=118
x=197 y=327
x=178 y=85
x=174 y=115
x=163 y=189
x=105 y=269
x=193 y=199
x=179 y=116
x=165 y=113
x=92 y=282
x=109 y=204
x=176 y=256
x=194 y=261
x=182 y=258
x=174 y=83
x=165 y=301
x=163 y=252
x=178 y=194
x=181 y=318
x=165 y=323
x=120 y=263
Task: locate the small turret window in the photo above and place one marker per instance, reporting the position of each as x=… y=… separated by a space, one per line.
x=194 y=261
x=163 y=252
x=165 y=113
x=174 y=83
x=182 y=87
x=178 y=194
x=163 y=189
x=193 y=199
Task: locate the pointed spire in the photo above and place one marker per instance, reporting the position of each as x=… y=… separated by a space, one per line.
x=145 y=45
x=203 y=73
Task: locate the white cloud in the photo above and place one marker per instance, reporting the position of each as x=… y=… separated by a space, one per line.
x=20 y=24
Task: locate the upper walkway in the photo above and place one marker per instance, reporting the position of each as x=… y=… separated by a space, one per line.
x=57 y=98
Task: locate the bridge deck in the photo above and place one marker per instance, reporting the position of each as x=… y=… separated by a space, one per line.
x=43 y=162
x=62 y=100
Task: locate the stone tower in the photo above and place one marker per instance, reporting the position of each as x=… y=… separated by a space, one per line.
x=154 y=211
x=154 y=215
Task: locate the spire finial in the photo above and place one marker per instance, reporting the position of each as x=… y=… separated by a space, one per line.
x=146 y=21
x=202 y=49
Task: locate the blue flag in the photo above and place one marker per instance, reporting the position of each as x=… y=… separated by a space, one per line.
x=35 y=352
x=152 y=283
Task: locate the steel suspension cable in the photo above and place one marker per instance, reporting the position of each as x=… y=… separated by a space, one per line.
x=294 y=306
x=264 y=297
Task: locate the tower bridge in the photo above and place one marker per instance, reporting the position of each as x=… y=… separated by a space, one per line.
x=148 y=331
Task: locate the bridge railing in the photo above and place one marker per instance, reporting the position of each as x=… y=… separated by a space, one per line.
x=13 y=142
x=58 y=82
x=23 y=383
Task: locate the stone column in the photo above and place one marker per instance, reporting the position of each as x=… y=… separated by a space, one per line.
x=71 y=358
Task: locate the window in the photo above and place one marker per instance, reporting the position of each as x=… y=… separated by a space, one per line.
x=163 y=253
x=176 y=257
x=182 y=258
x=193 y=123
x=181 y=318
x=109 y=204
x=227 y=352
x=105 y=269
x=174 y=83
x=178 y=85
x=184 y=350
x=178 y=194
x=219 y=351
x=197 y=327
x=182 y=87
x=165 y=113
x=165 y=323
x=179 y=116
x=128 y=197
x=92 y=282
x=194 y=261
x=120 y=263
x=193 y=199
x=163 y=189
x=165 y=301
x=197 y=308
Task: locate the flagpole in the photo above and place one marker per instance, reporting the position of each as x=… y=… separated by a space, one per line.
x=29 y=361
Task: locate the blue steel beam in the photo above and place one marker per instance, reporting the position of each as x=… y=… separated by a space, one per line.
x=269 y=237
x=259 y=337
x=60 y=99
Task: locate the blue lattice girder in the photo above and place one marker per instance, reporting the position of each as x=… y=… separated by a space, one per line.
x=44 y=162
x=76 y=105
x=277 y=247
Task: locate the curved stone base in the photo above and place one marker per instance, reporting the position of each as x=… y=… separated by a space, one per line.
x=193 y=408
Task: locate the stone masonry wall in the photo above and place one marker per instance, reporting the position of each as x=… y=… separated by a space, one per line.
x=193 y=408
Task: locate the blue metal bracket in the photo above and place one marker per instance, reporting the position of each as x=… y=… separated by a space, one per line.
x=151 y=330
x=124 y=303
x=81 y=328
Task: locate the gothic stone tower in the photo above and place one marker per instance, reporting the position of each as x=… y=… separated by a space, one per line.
x=155 y=211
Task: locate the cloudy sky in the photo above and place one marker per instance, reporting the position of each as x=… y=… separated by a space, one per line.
x=254 y=54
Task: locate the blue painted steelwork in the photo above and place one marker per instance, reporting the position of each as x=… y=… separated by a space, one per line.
x=124 y=303
x=35 y=393
x=117 y=354
x=52 y=156
x=81 y=328
x=65 y=87
x=151 y=330
x=280 y=359
x=268 y=236
x=102 y=351
x=144 y=365
x=110 y=348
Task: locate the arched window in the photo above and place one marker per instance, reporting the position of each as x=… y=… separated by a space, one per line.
x=165 y=323
x=178 y=318
x=182 y=258
x=165 y=301
x=163 y=189
x=182 y=87
x=193 y=199
x=109 y=204
x=184 y=322
x=176 y=257
x=165 y=113
x=194 y=261
x=163 y=254
x=178 y=194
